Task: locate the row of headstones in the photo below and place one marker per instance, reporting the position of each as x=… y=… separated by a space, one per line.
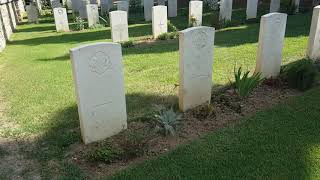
x=119 y=19
x=252 y=8
x=99 y=80
x=8 y=21
x=123 y=5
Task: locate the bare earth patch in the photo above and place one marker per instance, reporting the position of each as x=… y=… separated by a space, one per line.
x=228 y=109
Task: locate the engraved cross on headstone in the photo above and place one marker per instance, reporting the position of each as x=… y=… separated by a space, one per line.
x=120 y=29
x=161 y=25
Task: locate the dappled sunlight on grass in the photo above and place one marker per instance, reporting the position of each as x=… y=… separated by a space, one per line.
x=312 y=156
x=37 y=83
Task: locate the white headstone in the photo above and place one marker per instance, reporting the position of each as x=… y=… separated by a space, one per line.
x=159 y=20
x=20 y=7
x=61 y=19
x=39 y=4
x=99 y=83
x=13 y=15
x=274 y=6
x=55 y=4
x=271 y=38
x=225 y=10
x=6 y=21
x=2 y=37
x=172 y=8
x=32 y=13
x=195 y=13
x=123 y=6
x=147 y=5
x=252 y=8
x=119 y=26
x=313 y=50
x=196 y=59
x=92 y=15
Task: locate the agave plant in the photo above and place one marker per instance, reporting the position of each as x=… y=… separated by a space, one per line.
x=168 y=121
x=244 y=84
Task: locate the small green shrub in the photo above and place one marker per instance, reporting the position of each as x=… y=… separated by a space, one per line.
x=107 y=154
x=172 y=27
x=244 y=84
x=167 y=121
x=167 y=36
x=163 y=36
x=300 y=74
x=79 y=22
x=173 y=35
x=127 y=44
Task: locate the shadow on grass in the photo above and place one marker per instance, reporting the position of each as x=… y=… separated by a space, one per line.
x=58 y=58
x=298 y=25
x=279 y=143
x=38 y=28
x=272 y=144
x=80 y=36
x=64 y=131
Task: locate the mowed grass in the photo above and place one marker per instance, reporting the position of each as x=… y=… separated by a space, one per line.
x=280 y=143
x=37 y=85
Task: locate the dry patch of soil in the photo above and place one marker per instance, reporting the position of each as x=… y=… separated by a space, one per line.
x=226 y=109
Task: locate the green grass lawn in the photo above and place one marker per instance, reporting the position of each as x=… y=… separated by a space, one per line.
x=36 y=78
x=280 y=143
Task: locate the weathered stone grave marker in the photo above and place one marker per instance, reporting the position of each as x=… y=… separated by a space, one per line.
x=172 y=8
x=6 y=21
x=271 y=38
x=196 y=59
x=75 y=5
x=147 y=5
x=32 y=13
x=225 y=10
x=159 y=20
x=274 y=6
x=92 y=15
x=83 y=8
x=252 y=8
x=119 y=26
x=2 y=37
x=99 y=83
x=195 y=13
x=313 y=50
x=12 y=14
x=61 y=19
